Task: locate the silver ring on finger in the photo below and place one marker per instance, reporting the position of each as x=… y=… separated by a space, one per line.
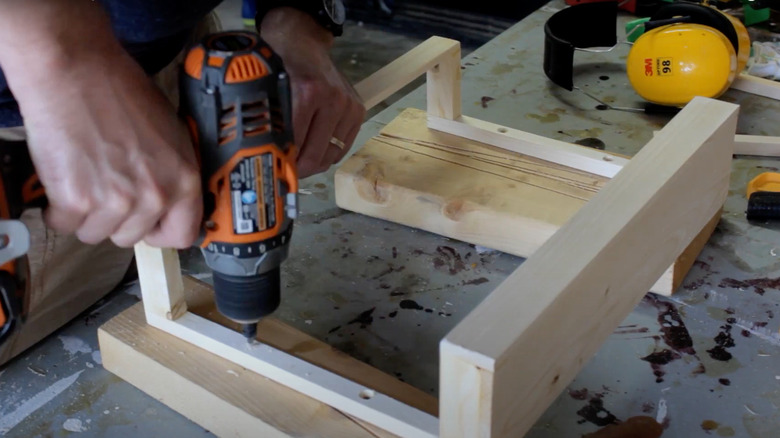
x=338 y=143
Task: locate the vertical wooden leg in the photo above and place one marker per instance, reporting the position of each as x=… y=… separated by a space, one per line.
x=159 y=273
x=443 y=86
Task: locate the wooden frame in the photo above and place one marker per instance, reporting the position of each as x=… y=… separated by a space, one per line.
x=576 y=284
x=165 y=308
x=405 y=175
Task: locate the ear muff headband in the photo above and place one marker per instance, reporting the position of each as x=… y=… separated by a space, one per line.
x=581 y=26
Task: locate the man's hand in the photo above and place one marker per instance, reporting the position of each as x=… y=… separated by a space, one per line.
x=113 y=156
x=325 y=105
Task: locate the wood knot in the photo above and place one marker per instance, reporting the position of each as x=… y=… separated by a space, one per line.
x=371 y=185
x=454 y=210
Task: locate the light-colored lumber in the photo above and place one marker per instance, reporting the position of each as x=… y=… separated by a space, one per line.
x=163 y=293
x=759 y=145
x=455 y=187
x=473 y=192
x=433 y=52
x=213 y=392
x=133 y=350
x=322 y=385
x=159 y=273
x=756 y=85
x=532 y=145
x=685 y=261
x=566 y=299
x=443 y=86
x=756 y=145
x=200 y=300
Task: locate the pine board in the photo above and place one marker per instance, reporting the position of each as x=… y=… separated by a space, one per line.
x=465 y=190
x=567 y=299
x=208 y=389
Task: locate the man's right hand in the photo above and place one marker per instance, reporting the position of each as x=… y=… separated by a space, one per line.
x=108 y=147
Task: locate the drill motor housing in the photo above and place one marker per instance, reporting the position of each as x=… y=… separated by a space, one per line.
x=236 y=99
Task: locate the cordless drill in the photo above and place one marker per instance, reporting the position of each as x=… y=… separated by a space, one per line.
x=236 y=99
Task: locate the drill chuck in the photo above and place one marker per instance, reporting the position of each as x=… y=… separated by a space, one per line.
x=247 y=299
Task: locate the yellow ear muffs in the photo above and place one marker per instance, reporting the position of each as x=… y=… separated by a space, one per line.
x=698 y=52
x=687 y=50
x=672 y=64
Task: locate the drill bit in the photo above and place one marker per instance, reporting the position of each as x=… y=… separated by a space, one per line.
x=249 y=331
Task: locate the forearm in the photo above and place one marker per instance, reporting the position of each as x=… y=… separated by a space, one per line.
x=43 y=39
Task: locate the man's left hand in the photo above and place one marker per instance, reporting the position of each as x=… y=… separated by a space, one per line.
x=327 y=112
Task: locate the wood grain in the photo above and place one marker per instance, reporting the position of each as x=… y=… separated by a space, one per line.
x=561 y=304
x=284 y=337
x=211 y=391
x=133 y=350
x=472 y=192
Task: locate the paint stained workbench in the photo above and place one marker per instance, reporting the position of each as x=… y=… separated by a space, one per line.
x=703 y=360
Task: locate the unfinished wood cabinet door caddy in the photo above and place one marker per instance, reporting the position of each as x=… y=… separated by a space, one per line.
x=653 y=207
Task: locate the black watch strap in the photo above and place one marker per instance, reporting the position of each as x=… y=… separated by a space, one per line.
x=332 y=20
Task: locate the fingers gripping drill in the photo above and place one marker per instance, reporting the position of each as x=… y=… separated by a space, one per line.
x=235 y=98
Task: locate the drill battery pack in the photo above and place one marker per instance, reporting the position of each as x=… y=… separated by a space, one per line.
x=763 y=193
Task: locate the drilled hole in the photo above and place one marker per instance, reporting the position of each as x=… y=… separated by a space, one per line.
x=502 y=130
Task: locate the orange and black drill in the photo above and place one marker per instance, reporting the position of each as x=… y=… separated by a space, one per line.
x=236 y=99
